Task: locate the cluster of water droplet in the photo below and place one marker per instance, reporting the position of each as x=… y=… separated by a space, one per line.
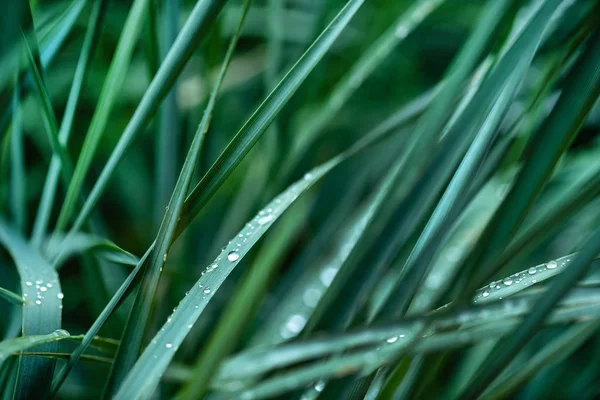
x=524 y=279
x=40 y=289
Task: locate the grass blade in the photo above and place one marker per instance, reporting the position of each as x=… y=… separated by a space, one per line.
x=41 y=314
x=82 y=243
x=11 y=297
x=51 y=182
x=18 y=181
x=17 y=345
x=110 y=89
x=191 y=34
x=131 y=342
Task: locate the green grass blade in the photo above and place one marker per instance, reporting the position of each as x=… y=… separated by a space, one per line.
x=51 y=182
x=552 y=353
x=191 y=34
x=546 y=147
x=48 y=115
x=169 y=129
x=503 y=352
x=371 y=59
x=91 y=334
x=11 y=297
x=82 y=243
x=264 y=115
x=17 y=345
x=40 y=315
x=131 y=342
x=52 y=40
x=110 y=90
x=18 y=181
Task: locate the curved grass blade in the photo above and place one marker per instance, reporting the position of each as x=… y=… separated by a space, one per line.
x=11 y=297
x=82 y=243
x=503 y=352
x=110 y=89
x=160 y=351
x=90 y=335
x=40 y=315
x=194 y=30
x=17 y=345
x=371 y=58
x=18 y=180
x=131 y=342
x=552 y=353
x=51 y=182
x=581 y=91
x=264 y=115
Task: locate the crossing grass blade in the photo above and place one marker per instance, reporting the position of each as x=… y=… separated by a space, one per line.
x=51 y=182
x=41 y=314
x=110 y=89
x=17 y=345
x=191 y=34
x=52 y=39
x=18 y=181
x=11 y=297
x=131 y=341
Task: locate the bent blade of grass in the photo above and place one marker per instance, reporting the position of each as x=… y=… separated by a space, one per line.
x=551 y=141
x=11 y=297
x=504 y=351
x=371 y=58
x=18 y=183
x=91 y=334
x=17 y=345
x=258 y=123
x=51 y=182
x=48 y=115
x=82 y=243
x=552 y=353
x=40 y=315
x=110 y=89
x=131 y=342
x=194 y=30
x=143 y=378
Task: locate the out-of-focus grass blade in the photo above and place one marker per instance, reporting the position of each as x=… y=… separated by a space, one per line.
x=201 y=17
x=110 y=89
x=581 y=90
x=550 y=354
x=264 y=115
x=371 y=58
x=504 y=351
x=82 y=243
x=11 y=297
x=48 y=115
x=169 y=128
x=17 y=345
x=49 y=191
x=18 y=182
x=133 y=335
x=52 y=39
x=40 y=315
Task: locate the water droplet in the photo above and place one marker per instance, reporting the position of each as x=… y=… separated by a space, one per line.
x=38 y=302
x=265 y=219
x=168 y=345
x=402 y=31
x=39 y=282
x=62 y=333
x=531 y=271
x=327 y=276
x=49 y=285
x=320 y=385
x=43 y=288
x=60 y=296
x=551 y=265
x=485 y=294
x=165 y=257
x=392 y=339
x=206 y=291
x=213 y=266
x=308 y=176
x=311 y=297
x=233 y=255
x=295 y=323
x=196 y=306
x=190 y=326
x=28 y=283
x=507 y=281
